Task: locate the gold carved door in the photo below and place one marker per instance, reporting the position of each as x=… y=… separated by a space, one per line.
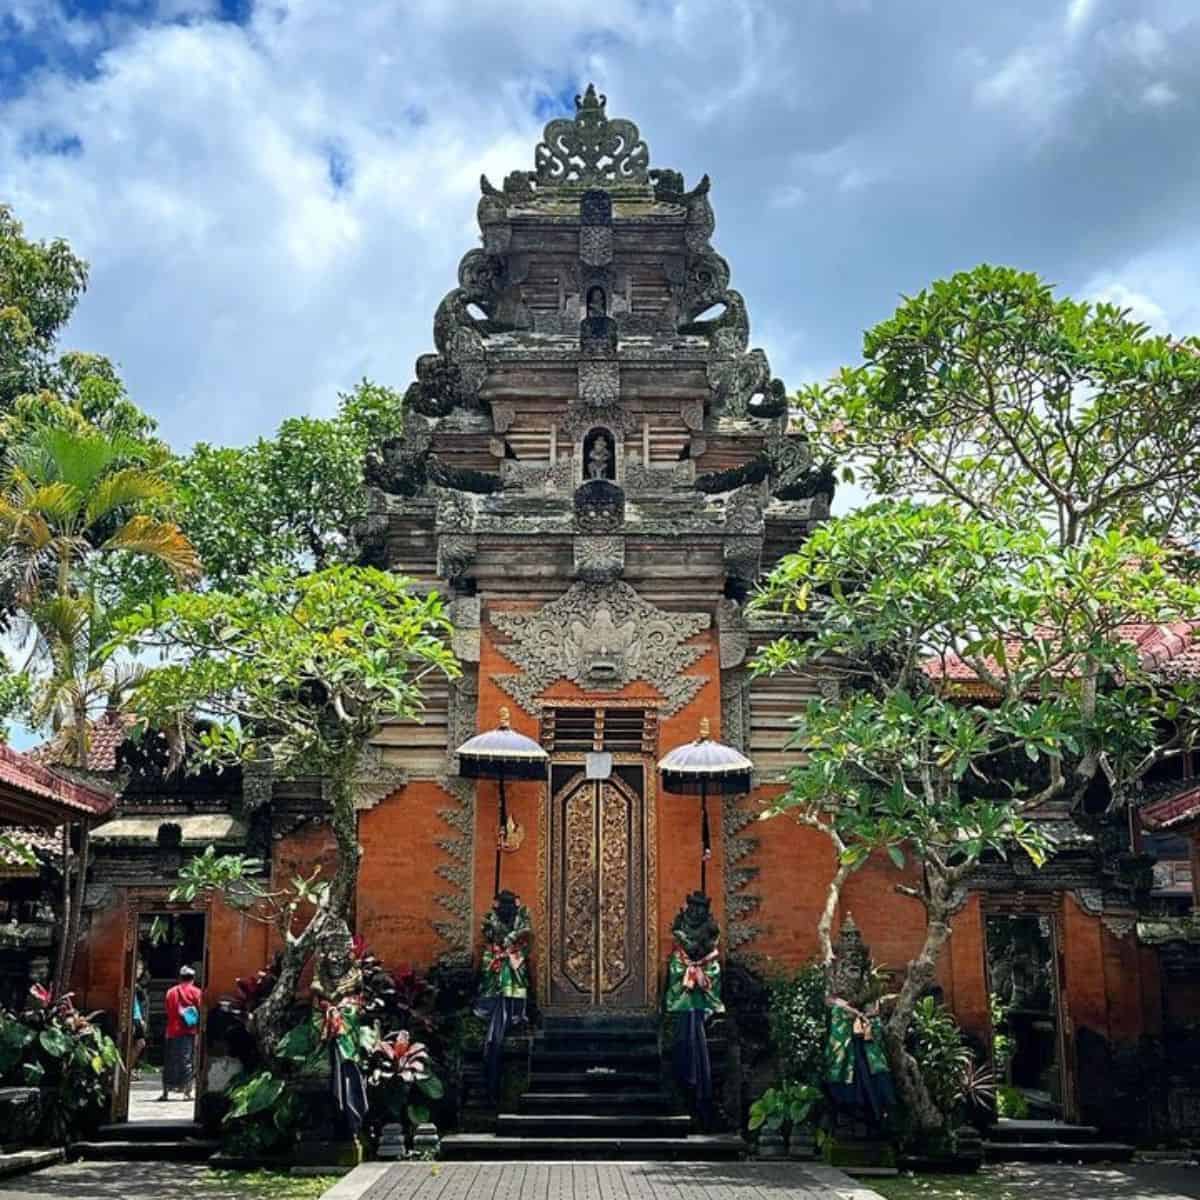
x=597 y=911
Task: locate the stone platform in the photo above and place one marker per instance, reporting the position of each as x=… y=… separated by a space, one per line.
x=597 y=1181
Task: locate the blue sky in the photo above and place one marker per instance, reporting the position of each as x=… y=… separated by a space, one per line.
x=274 y=194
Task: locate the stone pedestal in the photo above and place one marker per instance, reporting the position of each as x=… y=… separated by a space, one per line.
x=20 y=1116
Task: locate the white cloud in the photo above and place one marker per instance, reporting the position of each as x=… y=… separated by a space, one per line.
x=1034 y=81
x=1109 y=290
x=1159 y=95
x=1079 y=12
x=273 y=210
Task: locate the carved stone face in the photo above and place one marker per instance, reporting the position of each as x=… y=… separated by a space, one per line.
x=603 y=652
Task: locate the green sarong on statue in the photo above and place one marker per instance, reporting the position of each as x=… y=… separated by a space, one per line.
x=505 y=968
x=694 y=985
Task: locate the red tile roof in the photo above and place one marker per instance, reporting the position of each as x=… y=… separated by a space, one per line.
x=31 y=793
x=1172 y=649
x=1172 y=812
x=105 y=735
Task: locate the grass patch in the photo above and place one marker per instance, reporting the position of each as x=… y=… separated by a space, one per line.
x=983 y=1186
x=274 y=1185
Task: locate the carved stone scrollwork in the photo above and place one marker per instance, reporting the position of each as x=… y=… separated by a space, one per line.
x=463 y=613
x=640 y=478
x=374 y=780
x=591 y=148
x=692 y=413
x=742 y=386
x=743 y=558
x=735 y=709
x=734 y=637
x=455 y=554
x=706 y=284
x=599 y=382
x=599 y=559
x=578 y=419
x=601 y=637
x=457 y=931
x=503 y=415
x=534 y=477
x=595 y=229
x=461 y=713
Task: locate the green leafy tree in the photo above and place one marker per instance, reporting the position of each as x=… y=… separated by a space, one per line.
x=74 y=497
x=291 y=500
x=40 y=284
x=301 y=671
x=988 y=391
x=896 y=763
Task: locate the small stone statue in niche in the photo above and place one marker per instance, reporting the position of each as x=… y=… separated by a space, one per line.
x=857 y=1074
x=694 y=994
x=598 y=455
x=597 y=305
x=503 y=979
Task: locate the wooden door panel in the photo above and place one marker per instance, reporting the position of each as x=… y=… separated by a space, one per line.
x=597 y=886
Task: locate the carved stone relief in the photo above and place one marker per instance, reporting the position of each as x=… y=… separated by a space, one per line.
x=599 y=382
x=591 y=148
x=734 y=636
x=457 y=929
x=463 y=612
x=374 y=780
x=599 y=559
x=601 y=636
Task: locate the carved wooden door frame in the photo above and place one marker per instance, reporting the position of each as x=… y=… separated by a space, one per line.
x=649 y=850
x=1050 y=907
x=139 y=902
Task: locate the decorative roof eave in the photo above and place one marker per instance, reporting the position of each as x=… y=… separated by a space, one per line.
x=1177 y=813
x=31 y=794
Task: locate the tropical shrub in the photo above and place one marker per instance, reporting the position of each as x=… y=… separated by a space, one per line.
x=942 y=1056
x=789 y=1105
x=797 y=1021
x=53 y=1046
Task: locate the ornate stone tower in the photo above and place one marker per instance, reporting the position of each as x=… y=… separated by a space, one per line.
x=595 y=470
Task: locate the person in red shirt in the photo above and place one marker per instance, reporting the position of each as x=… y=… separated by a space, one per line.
x=183 y=1023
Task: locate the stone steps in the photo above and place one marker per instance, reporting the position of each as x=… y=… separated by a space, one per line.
x=595 y=1101
x=692 y=1148
x=167 y=1140
x=541 y=1082
x=1012 y=1140
x=577 y=1124
x=113 y=1149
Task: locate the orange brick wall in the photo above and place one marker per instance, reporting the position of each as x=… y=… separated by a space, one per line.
x=398 y=884
x=237 y=946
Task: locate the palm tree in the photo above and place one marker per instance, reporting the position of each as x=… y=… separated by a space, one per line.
x=71 y=499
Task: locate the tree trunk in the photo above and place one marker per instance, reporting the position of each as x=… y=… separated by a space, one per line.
x=272 y=1018
x=921 y=973
x=61 y=957
x=75 y=919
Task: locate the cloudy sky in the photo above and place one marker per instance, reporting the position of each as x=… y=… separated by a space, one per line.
x=274 y=194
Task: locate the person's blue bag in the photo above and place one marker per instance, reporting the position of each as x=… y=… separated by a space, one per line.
x=190 y=1015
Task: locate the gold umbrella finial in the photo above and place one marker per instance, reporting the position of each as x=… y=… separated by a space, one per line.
x=505 y=717
x=705 y=729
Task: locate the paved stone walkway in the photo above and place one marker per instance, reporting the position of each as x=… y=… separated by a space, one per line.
x=597 y=1181
x=120 y=1181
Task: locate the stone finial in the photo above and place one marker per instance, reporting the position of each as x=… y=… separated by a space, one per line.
x=591 y=149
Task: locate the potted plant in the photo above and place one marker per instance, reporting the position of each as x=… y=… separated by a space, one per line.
x=788 y=1108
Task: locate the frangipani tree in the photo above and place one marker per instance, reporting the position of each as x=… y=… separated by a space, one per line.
x=898 y=763
x=988 y=391
x=299 y=671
